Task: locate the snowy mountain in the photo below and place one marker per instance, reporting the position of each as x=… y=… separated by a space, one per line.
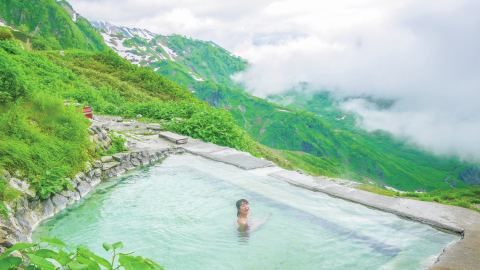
x=126 y=31
x=181 y=59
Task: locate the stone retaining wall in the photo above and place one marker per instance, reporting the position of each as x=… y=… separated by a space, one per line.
x=29 y=210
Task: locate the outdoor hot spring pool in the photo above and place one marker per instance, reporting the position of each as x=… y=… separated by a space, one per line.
x=181 y=214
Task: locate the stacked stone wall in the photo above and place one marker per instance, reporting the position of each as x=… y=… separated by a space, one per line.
x=29 y=209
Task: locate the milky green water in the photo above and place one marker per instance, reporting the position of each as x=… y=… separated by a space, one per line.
x=181 y=214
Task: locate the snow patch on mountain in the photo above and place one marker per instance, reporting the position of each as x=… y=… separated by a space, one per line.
x=126 y=31
x=2 y=23
x=123 y=51
x=196 y=78
x=169 y=52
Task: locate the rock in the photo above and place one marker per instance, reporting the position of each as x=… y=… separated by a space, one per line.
x=119 y=157
x=22 y=186
x=105 y=144
x=95 y=181
x=71 y=196
x=119 y=119
x=144 y=153
x=135 y=162
x=154 y=126
x=6 y=174
x=18 y=174
x=139 y=116
x=96 y=129
x=299 y=171
x=97 y=164
x=45 y=208
x=108 y=140
x=90 y=132
x=83 y=188
x=74 y=182
x=107 y=159
x=97 y=173
x=128 y=166
x=145 y=161
x=107 y=166
x=88 y=167
x=127 y=123
x=88 y=180
x=80 y=176
x=59 y=201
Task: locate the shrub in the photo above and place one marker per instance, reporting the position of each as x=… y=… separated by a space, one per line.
x=12 y=84
x=412 y=194
x=463 y=204
x=5 y=34
x=50 y=182
x=474 y=201
x=34 y=257
x=447 y=197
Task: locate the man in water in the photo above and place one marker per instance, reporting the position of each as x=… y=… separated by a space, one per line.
x=245 y=223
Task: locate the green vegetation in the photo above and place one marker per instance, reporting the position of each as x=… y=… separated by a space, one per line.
x=40 y=132
x=48 y=25
x=463 y=197
x=51 y=182
x=338 y=152
x=34 y=256
x=194 y=58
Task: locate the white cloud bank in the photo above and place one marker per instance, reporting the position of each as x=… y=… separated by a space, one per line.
x=423 y=54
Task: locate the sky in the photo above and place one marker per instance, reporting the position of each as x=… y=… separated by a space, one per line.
x=423 y=55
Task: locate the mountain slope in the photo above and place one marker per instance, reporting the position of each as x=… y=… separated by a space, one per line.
x=328 y=134
x=52 y=25
x=183 y=60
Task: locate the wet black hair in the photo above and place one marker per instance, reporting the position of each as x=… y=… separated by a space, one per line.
x=239 y=203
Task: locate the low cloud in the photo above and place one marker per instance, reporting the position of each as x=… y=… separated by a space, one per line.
x=424 y=57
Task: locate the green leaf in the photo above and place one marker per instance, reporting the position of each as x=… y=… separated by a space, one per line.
x=46 y=253
x=154 y=265
x=74 y=265
x=107 y=246
x=126 y=253
x=17 y=246
x=4 y=210
x=101 y=261
x=30 y=267
x=40 y=262
x=62 y=257
x=124 y=259
x=9 y=262
x=118 y=245
x=94 y=266
x=54 y=242
x=136 y=266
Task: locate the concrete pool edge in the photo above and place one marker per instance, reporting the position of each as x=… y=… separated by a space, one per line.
x=463 y=254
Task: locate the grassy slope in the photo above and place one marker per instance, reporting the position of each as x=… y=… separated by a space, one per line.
x=54 y=25
x=333 y=152
x=324 y=106
x=195 y=57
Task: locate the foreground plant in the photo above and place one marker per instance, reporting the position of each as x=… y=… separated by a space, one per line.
x=36 y=257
